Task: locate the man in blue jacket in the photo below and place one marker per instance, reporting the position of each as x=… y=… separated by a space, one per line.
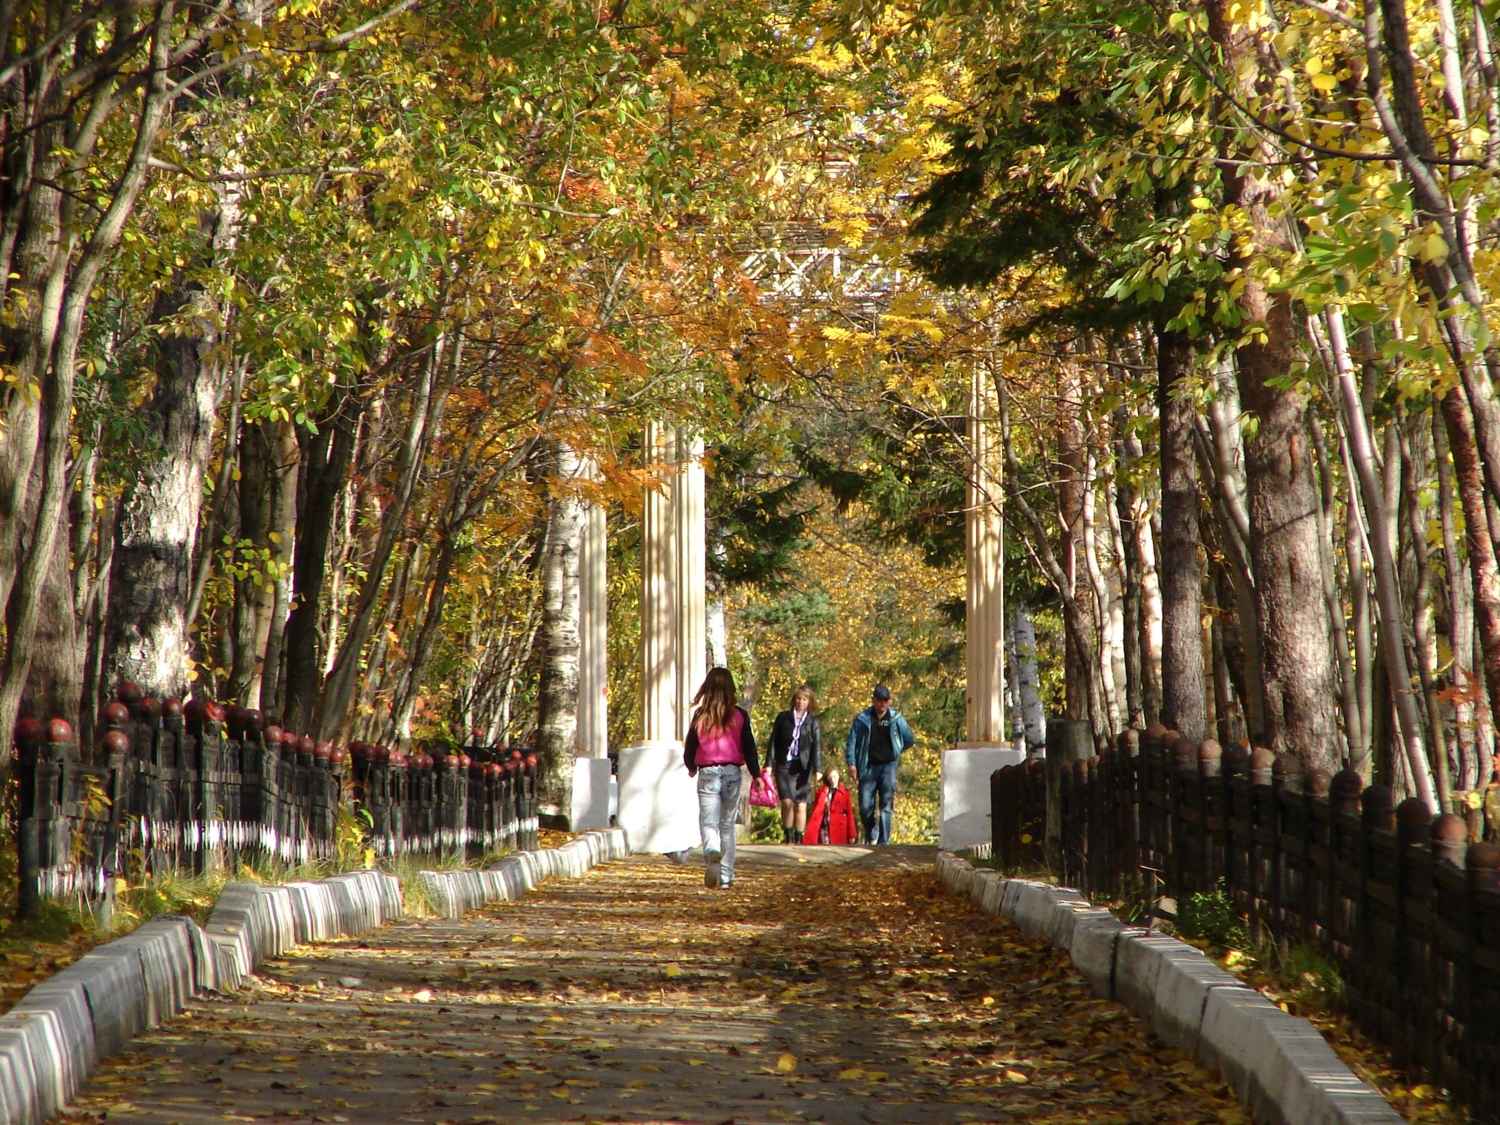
x=876 y=739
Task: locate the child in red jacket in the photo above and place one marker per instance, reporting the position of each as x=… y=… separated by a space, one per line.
x=831 y=820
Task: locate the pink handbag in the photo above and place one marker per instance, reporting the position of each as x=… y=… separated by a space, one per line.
x=763 y=791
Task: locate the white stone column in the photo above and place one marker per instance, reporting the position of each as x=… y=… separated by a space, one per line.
x=593 y=633
x=658 y=801
x=591 y=769
x=985 y=558
x=659 y=594
x=688 y=500
x=964 y=814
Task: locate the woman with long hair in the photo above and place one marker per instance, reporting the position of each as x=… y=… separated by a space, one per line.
x=796 y=757
x=719 y=744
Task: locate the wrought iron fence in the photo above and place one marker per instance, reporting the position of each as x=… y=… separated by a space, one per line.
x=1404 y=903
x=200 y=786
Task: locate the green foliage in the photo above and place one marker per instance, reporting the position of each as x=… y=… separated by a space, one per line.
x=193 y=895
x=756 y=517
x=794 y=614
x=907 y=472
x=765 y=825
x=1211 y=917
x=1313 y=979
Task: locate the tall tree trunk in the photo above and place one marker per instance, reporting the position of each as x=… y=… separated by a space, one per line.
x=1226 y=448
x=1151 y=614
x=255 y=506
x=283 y=544
x=557 y=719
x=324 y=461
x=1392 y=620
x=1282 y=487
x=54 y=686
x=92 y=616
x=1284 y=509
x=1108 y=690
x=1354 y=733
x=151 y=575
x=1460 y=616
x=1128 y=549
x=224 y=495
x=1077 y=625
x=436 y=380
x=1424 y=631
x=1183 y=683
x=404 y=704
x=47 y=356
x=1028 y=682
x=1079 y=682
x=1468 y=477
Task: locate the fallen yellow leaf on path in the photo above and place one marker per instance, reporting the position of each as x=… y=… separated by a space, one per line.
x=787 y=1062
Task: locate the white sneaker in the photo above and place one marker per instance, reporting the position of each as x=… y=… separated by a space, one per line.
x=711 y=872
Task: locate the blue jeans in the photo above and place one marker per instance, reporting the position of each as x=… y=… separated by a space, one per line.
x=882 y=779
x=718 y=809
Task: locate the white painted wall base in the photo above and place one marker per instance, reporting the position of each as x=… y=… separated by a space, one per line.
x=964 y=815
x=658 y=800
x=591 y=778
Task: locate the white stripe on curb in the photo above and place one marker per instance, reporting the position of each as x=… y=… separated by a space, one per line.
x=1279 y=1065
x=52 y=1040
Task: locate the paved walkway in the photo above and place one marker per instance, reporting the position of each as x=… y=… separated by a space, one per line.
x=833 y=985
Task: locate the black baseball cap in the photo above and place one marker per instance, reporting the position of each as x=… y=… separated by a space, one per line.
x=882 y=692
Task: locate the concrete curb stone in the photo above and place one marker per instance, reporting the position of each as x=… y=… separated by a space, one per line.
x=114 y=983
x=60 y=1034
x=31 y=1084
x=20 y=1099
x=1279 y=1065
x=52 y=1040
x=1069 y=916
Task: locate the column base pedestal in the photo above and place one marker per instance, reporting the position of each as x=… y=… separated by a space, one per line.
x=964 y=814
x=591 y=785
x=658 y=800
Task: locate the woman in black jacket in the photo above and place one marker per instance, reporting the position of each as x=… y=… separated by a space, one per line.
x=796 y=757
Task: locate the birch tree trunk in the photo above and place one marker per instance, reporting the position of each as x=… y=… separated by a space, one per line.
x=557 y=719
x=1108 y=689
x=1028 y=683
x=283 y=546
x=1460 y=617
x=1387 y=594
